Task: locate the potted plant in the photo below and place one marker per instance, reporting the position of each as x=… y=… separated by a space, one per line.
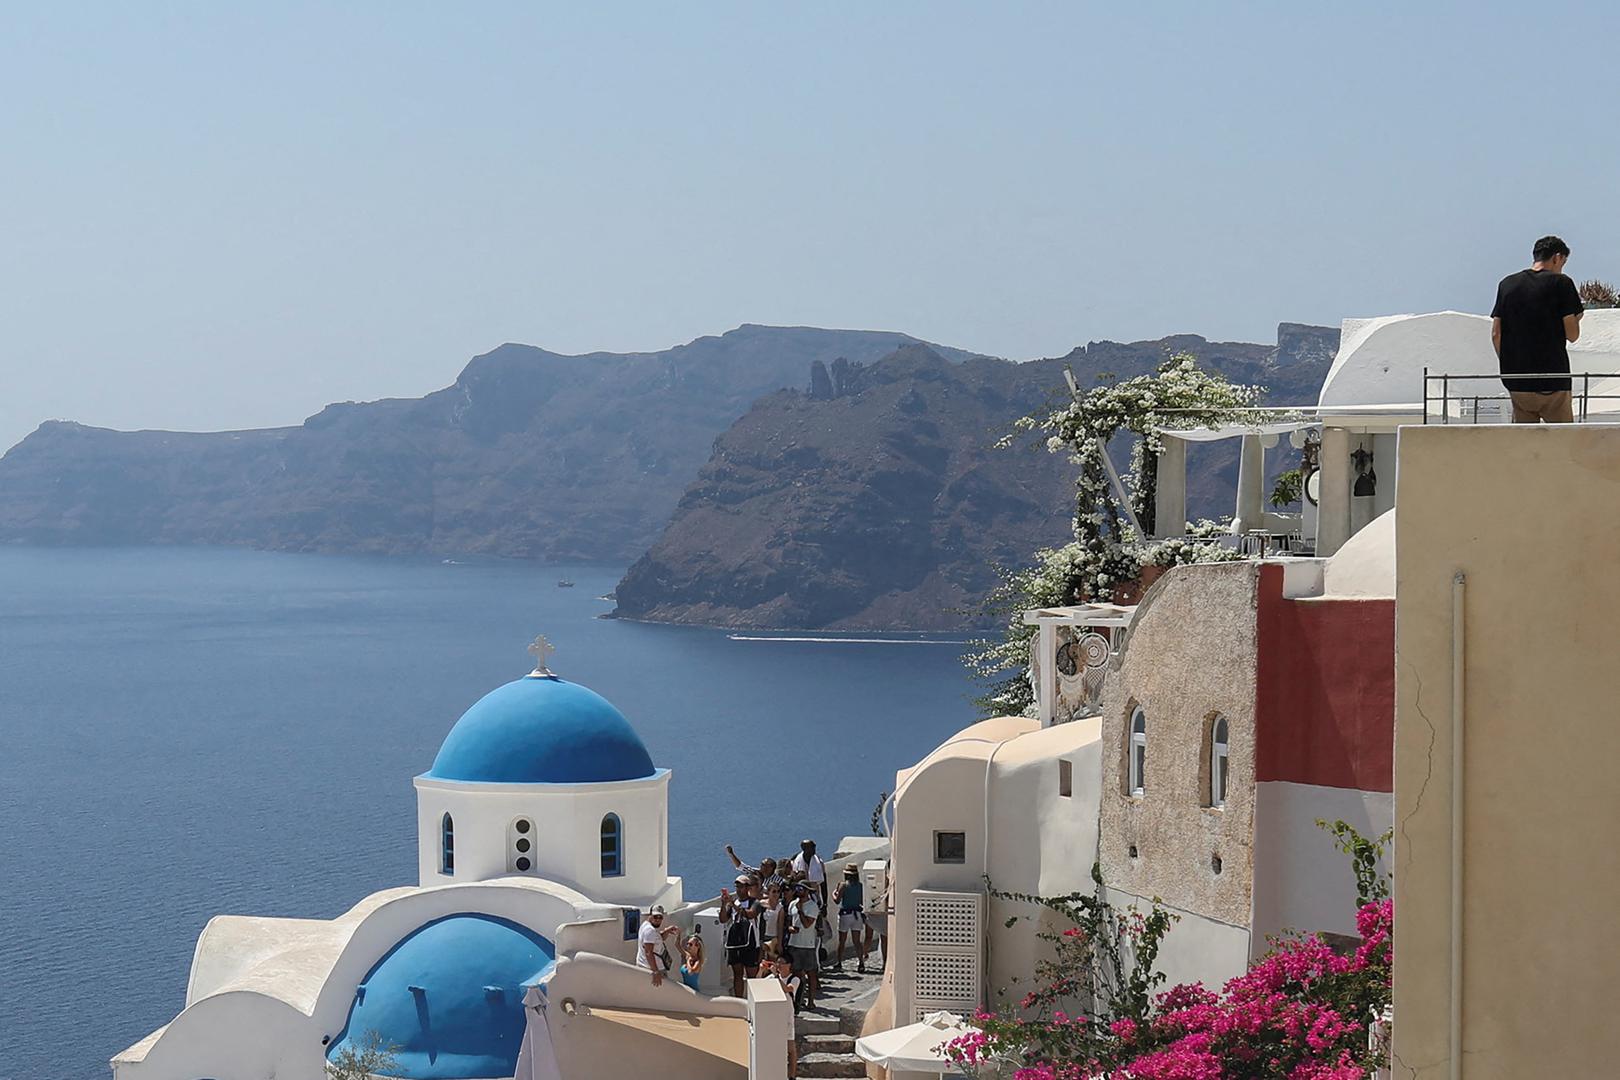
x=1598 y=294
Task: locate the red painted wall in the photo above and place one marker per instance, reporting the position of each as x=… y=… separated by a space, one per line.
x=1325 y=699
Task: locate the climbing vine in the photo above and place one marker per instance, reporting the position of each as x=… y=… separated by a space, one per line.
x=1106 y=553
x=1372 y=884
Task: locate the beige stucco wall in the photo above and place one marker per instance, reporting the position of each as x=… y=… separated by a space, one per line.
x=1532 y=516
x=590 y=1046
x=1190 y=654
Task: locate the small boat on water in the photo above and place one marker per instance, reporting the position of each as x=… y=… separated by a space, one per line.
x=565 y=584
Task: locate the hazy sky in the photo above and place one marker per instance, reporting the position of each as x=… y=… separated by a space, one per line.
x=227 y=215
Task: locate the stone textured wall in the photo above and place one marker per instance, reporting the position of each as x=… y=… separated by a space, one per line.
x=1191 y=654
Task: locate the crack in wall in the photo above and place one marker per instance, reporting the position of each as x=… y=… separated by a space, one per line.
x=1417 y=706
x=1413 y=1070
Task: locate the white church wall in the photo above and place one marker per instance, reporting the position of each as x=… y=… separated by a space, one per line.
x=604 y=937
x=565 y=836
x=542 y=906
x=232 y=1036
x=231 y=946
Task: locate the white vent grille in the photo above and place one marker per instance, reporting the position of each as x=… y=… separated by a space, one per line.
x=948 y=972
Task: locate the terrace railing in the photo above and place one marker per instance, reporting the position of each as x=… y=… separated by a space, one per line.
x=1472 y=399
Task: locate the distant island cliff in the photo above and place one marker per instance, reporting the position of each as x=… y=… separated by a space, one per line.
x=528 y=454
x=874 y=499
x=786 y=477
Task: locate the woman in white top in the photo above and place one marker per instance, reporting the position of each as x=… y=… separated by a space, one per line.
x=802 y=942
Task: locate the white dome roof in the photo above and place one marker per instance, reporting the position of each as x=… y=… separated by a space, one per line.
x=1364 y=568
x=1380 y=364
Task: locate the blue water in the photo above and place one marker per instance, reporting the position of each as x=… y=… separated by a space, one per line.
x=186 y=732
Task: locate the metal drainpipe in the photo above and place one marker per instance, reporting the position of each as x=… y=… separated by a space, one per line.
x=1458 y=586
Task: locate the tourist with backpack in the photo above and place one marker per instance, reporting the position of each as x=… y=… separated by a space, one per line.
x=740 y=915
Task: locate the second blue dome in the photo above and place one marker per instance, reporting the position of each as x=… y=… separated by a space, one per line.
x=542 y=730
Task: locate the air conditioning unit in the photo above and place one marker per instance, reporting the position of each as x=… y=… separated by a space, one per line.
x=948 y=971
x=874 y=885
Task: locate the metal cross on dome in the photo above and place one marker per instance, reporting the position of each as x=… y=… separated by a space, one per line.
x=541 y=648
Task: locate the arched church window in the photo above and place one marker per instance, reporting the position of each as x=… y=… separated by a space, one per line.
x=1137 y=759
x=1218 y=755
x=447 y=845
x=612 y=846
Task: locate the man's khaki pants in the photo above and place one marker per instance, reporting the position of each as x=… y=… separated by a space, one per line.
x=1531 y=407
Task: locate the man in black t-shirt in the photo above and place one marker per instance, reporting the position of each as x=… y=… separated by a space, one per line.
x=1537 y=313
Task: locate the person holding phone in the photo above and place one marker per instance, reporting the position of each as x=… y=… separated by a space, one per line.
x=692 y=957
x=740 y=916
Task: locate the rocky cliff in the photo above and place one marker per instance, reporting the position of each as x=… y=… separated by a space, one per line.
x=529 y=454
x=875 y=499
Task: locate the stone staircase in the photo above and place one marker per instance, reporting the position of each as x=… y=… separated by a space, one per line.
x=827 y=1033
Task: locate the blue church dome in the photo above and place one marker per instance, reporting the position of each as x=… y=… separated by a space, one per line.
x=450 y=997
x=542 y=730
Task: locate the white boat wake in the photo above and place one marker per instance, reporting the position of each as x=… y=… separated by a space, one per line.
x=848 y=640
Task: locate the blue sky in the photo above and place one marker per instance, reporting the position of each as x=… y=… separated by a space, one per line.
x=226 y=215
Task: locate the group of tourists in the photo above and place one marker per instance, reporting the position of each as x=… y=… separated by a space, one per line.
x=777 y=923
x=782 y=910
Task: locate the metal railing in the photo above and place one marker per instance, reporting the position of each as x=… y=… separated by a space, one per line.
x=1468 y=404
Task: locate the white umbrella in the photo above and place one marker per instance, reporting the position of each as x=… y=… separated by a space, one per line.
x=536 y=1061
x=918 y=1047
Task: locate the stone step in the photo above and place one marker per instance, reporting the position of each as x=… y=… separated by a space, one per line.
x=827 y=1044
x=852 y=1014
x=807 y=1023
x=819 y=1065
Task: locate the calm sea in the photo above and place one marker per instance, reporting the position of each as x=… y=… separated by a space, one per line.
x=185 y=732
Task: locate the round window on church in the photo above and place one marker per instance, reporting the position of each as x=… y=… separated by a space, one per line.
x=523 y=844
x=523 y=864
x=523 y=827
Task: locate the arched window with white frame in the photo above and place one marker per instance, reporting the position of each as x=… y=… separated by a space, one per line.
x=612 y=846
x=1137 y=756
x=1219 y=757
x=447 y=845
